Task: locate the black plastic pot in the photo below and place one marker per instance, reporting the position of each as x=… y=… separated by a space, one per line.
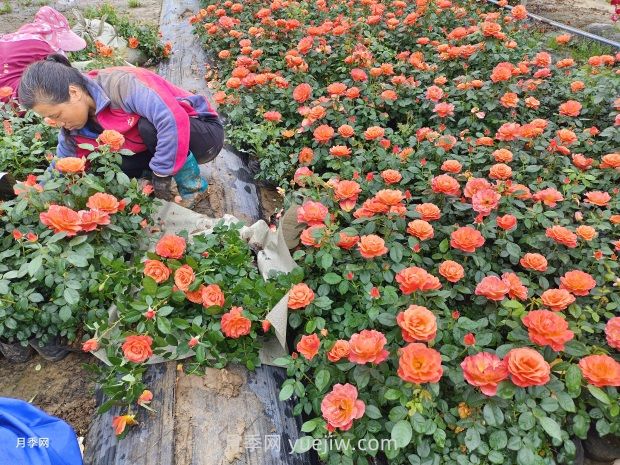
x=601 y=448
x=16 y=353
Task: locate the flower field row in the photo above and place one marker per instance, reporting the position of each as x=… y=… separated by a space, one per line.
x=458 y=191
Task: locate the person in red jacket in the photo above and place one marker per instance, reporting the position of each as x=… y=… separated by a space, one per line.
x=49 y=33
x=170 y=130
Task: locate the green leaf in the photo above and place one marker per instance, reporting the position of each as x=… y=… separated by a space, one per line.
x=402 y=433
x=332 y=278
x=581 y=426
x=163 y=324
x=526 y=456
x=65 y=313
x=150 y=286
x=72 y=297
x=286 y=392
x=565 y=401
x=573 y=379
x=396 y=252
x=498 y=440
x=373 y=412
x=77 y=260
x=551 y=427
x=35 y=264
x=444 y=246
x=599 y=394
x=526 y=421
x=361 y=374
x=472 y=439
x=311 y=425
x=165 y=311
x=495 y=457
x=322 y=379
x=513 y=249
x=327 y=261
x=493 y=415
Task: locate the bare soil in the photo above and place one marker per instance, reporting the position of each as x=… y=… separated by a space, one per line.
x=576 y=13
x=62 y=389
x=23 y=11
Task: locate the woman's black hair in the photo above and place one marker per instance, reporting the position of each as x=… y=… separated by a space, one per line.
x=48 y=81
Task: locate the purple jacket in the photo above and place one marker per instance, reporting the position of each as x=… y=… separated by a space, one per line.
x=122 y=96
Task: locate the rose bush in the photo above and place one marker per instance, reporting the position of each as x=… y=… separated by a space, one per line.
x=444 y=162
x=202 y=294
x=65 y=246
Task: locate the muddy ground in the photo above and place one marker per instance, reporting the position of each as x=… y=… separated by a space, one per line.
x=62 y=389
x=576 y=13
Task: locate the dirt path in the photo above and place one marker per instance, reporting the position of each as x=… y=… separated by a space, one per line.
x=60 y=388
x=576 y=13
x=23 y=11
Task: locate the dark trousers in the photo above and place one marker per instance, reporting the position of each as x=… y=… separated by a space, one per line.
x=206 y=139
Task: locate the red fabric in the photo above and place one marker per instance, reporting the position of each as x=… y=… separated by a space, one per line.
x=118 y=120
x=16 y=56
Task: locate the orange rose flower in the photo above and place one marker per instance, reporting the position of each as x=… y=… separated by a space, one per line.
x=506 y=222
x=145 y=398
x=519 y=12
x=500 y=171
x=90 y=345
x=183 y=277
x=195 y=296
x=509 y=100
x=527 y=367
x=156 y=270
x=562 y=235
x=6 y=91
x=475 y=185
x=598 y=198
x=119 y=423
x=420 y=229
x=103 y=202
x=549 y=197
x=576 y=86
x=137 y=349
x=516 y=289
x=587 y=233
x=428 y=211
x=112 y=139
x=300 y=296
x=133 y=42
x=611 y=160
x=346 y=131
x=391 y=176
x=452 y=271
x=374 y=132
x=347 y=192
x=347 y=242
x=341 y=406
x=323 y=133
x=418 y=364
x=493 y=288
x=502 y=156
x=444 y=109
x=612 y=331
x=417 y=323
x=485 y=371
x=340 y=151
x=577 y=282
x=302 y=92
x=600 y=370
x=70 y=165
x=61 y=219
x=312 y=213
x=389 y=197
x=92 y=219
x=306 y=155
x=451 y=166
x=371 y=246
x=570 y=108
x=445 y=184
x=308 y=346
x=367 y=347
x=234 y=324
x=466 y=239
x=546 y=328
x=339 y=351
x=557 y=299
x=415 y=279
x=170 y=246
x=211 y=296
x=307 y=236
